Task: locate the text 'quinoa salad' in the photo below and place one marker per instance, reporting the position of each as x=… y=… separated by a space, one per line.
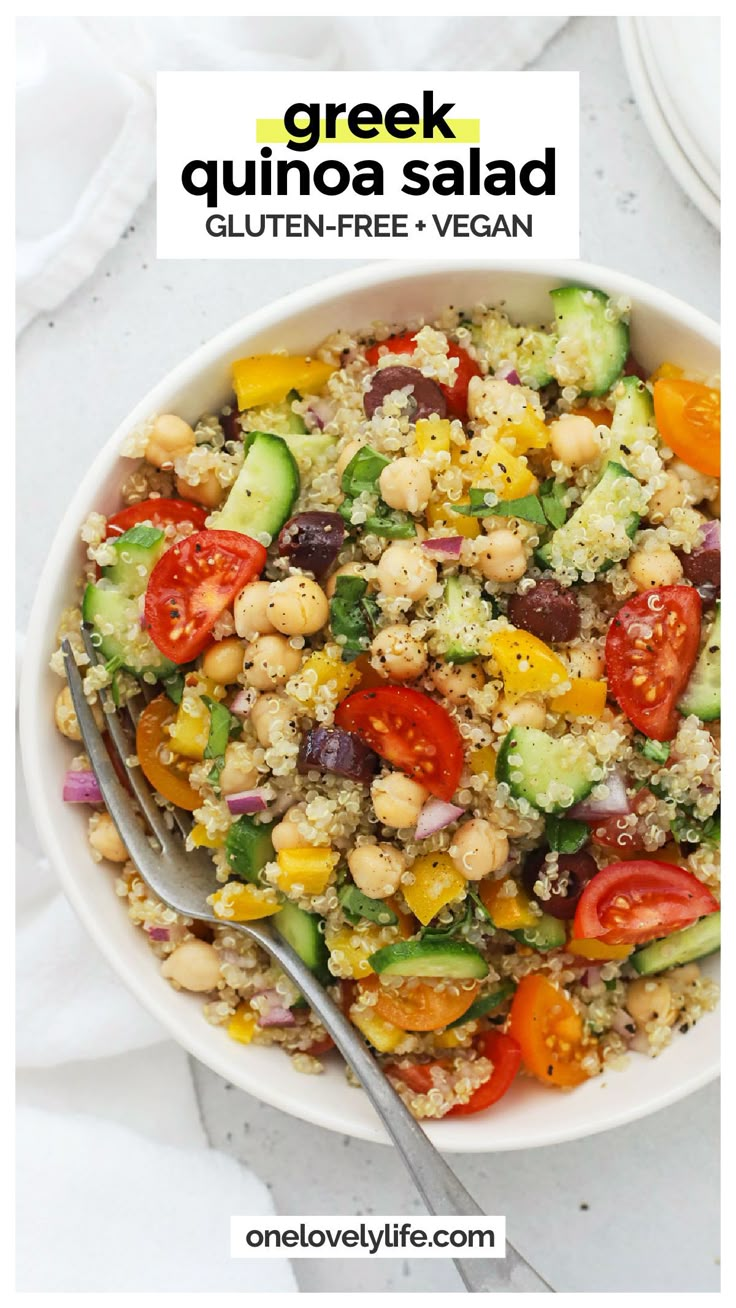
x=426 y=633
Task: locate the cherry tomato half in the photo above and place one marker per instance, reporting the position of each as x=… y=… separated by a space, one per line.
x=419 y=1006
x=502 y=1050
x=457 y=394
x=651 y=648
x=618 y=832
x=167 y=772
x=410 y=730
x=193 y=583
x=689 y=420
x=549 y=1031
x=159 y=512
x=628 y=903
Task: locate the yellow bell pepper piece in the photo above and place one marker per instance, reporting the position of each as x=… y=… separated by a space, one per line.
x=528 y=666
x=508 y=473
x=433 y=435
x=268 y=378
x=585 y=699
x=308 y=868
x=457 y=524
x=530 y=433
x=240 y=902
x=507 y=912
x=483 y=760
x=191 y=728
x=436 y=882
x=597 y=950
x=201 y=839
x=354 y=948
x=666 y=370
x=383 y=1035
x=345 y=675
x=456 y=1037
x=242 y=1025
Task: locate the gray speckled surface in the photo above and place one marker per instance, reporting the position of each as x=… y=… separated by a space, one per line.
x=636 y=1209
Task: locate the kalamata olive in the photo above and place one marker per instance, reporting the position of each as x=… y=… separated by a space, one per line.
x=703 y=569
x=574 y=871
x=230 y=423
x=427 y=396
x=549 y=611
x=312 y=541
x=330 y=749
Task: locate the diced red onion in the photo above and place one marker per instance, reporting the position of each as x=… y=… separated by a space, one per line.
x=710 y=535
x=81 y=788
x=159 y=933
x=512 y=376
x=449 y=546
x=277 y=1014
x=243 y=702
x=247 y=801
x=321 y=411
x=622 y=1023
x=615 y=804
x=436 y=815
x=591 y=976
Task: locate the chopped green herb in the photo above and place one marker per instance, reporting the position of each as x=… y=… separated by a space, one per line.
x=356 y=906
x=353 y=615
x=363 y=471
x=658 y=751
x=223 y=725
x=528 y=507
x=174 y=687
x=486 y=1003
x=552 y=495
x=566 y=835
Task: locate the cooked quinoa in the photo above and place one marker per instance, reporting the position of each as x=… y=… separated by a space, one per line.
x=449 y=704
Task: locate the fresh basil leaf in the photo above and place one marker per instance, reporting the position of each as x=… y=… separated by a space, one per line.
x=363 y=471
x=566 y=835
x=391 y=523
x=223 y=725
x=174 y=687
x=527 y=507
x=356 y=906
x=353 y=615
x=115 y=690
x=552 y=495
x=486 y=1004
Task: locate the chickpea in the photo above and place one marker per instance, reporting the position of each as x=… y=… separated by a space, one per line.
x=170 y=438
x=397 y=800
x=207 y=491
x=269 y=661
x=273 y=716
x=297 y=606
x=286 y=834
x=350 y=451
x=671 y=496
x=697 y=486
x=574 y=440
x=478 y=849
x=66 y=719
x=406 y=484
x=456 y=680
x=657 y=567
x=193 y=965
x=104 y=838
x=585 y=661
x=405 y=569
x=377 y=869
x=251 y=610
x=238 y=772
x=500 y=556
x=364 y=570
x=396 y=653
x=649 y=1000
x=223 y=662
x=526 y=712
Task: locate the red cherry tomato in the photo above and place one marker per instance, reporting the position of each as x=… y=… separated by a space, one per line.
x=502 y=1050
x=193 y=583
x=159 y=512
x=618 y=833
x=651 y=648
x=457 y=394
x=410 y=730
x=628 y=903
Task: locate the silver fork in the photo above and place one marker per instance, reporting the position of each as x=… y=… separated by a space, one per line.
x=183 y=880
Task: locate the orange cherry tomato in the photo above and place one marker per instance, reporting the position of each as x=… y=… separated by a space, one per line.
x=549 y=1030
x=166 y=771
x=689 y=420
x=601 y=417
x=419 y=1006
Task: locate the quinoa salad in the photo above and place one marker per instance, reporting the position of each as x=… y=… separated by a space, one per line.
x=424 y=633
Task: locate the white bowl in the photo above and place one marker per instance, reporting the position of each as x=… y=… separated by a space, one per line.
x=662 y=328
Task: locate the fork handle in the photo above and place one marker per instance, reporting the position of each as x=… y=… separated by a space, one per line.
x=442 y=1192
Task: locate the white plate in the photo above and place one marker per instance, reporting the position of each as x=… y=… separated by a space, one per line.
x=686 y=136
x=663 y=328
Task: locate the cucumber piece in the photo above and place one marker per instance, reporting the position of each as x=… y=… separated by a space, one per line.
x=486 y=1004
x=248 y=847
x=566 y=835
x=633 y=414
x=115 y=618
x=430 y=957
x=599 y=532
x=534 y=358
x=547 y=933
x=357 y=906
x=302 y=931
x=137 y=550
x=592 y=346
x=462 y=620
x=530 y=761
x=703 y=691
x=264 y=492
x=308 y=447
x=703 y=937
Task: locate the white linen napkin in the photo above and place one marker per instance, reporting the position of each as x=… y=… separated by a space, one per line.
x=86 y=112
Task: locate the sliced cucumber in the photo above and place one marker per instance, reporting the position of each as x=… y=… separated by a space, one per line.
x=355 y=905
x=137 y=550
x=486 y=1004
x=703 y=937
x=703 y=692
x=633 y=414
x=263 y=494
x=534 y=765
x=116 y=620
x=248 y=847
x=303 y=932
x=593 y=341
x=308 y=447
x=534 y=358
x=547 y=933
x=600 y=531
x=430 y=957
x=462 y=620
